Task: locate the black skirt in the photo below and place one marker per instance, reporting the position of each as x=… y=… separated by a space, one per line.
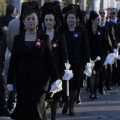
x=77 y=81
x=30 y=101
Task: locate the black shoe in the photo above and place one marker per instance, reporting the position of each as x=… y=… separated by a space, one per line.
x=60 y=104
x=87 y=89
x=71 y=112
x=102 y=91
x=48 y=105
x=65 y=109
x=78 y=102
x=4 y=112
x=109 y=88
x=91 y=97
x=96 y=97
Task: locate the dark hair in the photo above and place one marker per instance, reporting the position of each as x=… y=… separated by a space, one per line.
x=10 y=9
x=48 y=13
x=65 y=10
x=29 y=6
x=114 y=9
x=71 y=12
x=54 y=8
x=93 y=15
x=118 y=15
x=28 y=12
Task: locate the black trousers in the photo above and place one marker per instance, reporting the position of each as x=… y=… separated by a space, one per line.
x=2 y=89
x=116 y=73
x=108 y=76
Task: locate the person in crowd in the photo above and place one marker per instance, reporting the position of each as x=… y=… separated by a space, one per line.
x=108 y=14
x=10 y=12
x=59 y=50
x=115 y=22
x=4 y=20
x=13 y=30
x=118 y=15
x=97 y=43
x=106 y=71
x=53 y=7
x=3 y=103
x=78 y=56
x=31 y=63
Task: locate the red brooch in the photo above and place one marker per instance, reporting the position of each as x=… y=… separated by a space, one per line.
x=54 y=43
x=38 y=42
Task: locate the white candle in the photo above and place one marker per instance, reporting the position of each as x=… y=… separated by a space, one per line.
x=67 y=87
x=52 y=94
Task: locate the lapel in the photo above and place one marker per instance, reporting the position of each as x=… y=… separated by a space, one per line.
x=22 y=42
x=55 y=40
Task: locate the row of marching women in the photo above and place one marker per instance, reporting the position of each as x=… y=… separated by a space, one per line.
x=49 y=52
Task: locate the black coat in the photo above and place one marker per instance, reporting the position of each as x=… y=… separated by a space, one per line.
x=109 y=36
x=35 y=67
x=77 y=46
x=2 y=44
x=78 y=54
x=59 y=49
x=116 y=28
x=98 y=45
x=4 y=20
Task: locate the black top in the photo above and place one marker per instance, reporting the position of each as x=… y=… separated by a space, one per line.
x=77 y=46
x=97 y=45
x=4 y=20
x=36 y=62
x=29 y=45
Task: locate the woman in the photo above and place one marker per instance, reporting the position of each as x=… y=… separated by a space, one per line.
x=78 y=56
x=97 y=43
x=31 y=63
x=59 y=49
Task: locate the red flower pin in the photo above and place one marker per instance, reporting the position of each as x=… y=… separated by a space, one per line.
x=38 y=42
x=54 y=43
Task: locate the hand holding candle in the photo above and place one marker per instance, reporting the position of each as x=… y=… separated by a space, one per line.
x=67 y=75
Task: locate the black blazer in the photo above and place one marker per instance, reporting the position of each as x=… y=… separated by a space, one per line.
x=77 y=46
x=35 y=67
x=4 y=20
x=97 y=45
x=112 y=34
x=109 y=36
x=59 y=49
x=116 y=28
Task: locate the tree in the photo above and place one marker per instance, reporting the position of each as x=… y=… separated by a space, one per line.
x=2 y=7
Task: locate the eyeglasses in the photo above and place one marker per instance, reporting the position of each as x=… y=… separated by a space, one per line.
x=113 y=13
x=102 y=12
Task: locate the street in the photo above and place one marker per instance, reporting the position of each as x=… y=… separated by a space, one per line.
x=105 y=108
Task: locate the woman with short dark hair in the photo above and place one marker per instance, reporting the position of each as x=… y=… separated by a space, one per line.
x=31 y=63
x=78 y=56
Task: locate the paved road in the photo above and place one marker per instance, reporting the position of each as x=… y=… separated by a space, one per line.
x=106 y=108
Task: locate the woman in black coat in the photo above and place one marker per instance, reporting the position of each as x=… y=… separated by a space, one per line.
x=97 y=43
x=31 y=64
x=59 y=50
x=78 y=56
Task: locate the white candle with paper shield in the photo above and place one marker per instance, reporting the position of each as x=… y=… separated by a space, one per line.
x=56 y=87
x=67 y=75
x=89 y=67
